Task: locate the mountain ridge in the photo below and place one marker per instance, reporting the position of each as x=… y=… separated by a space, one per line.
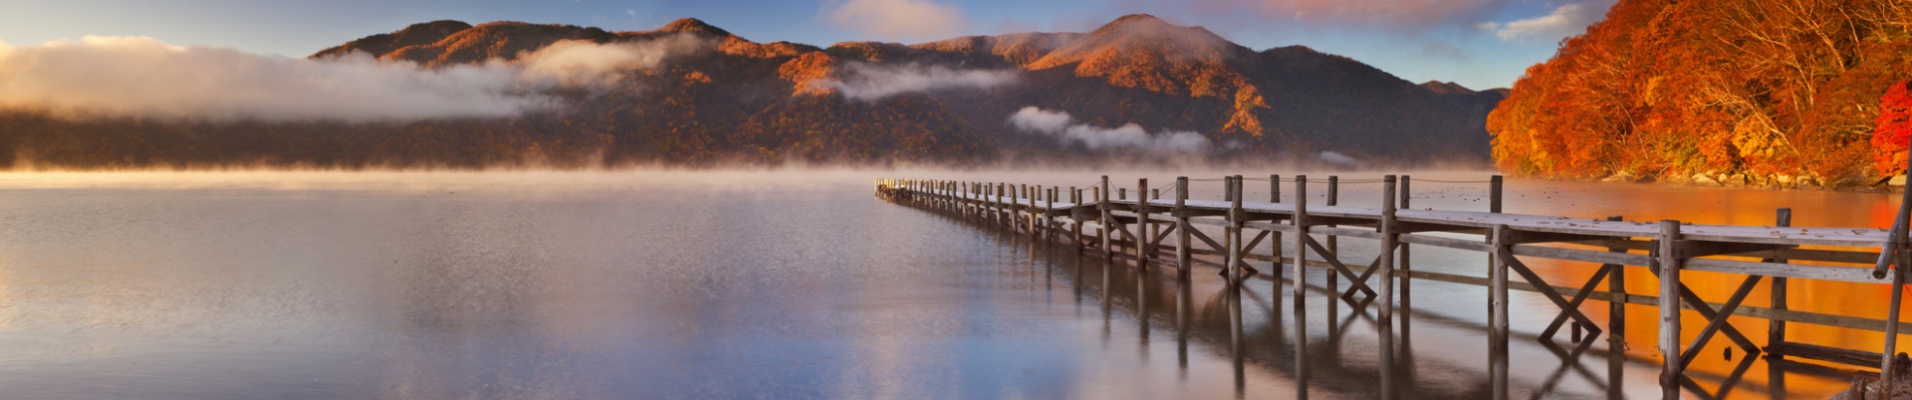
x=780 y=102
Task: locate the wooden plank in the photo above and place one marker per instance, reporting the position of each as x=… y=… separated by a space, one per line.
x=1819 y=272
x=1452 y=243
x=1855 y=358
x=1601 y=257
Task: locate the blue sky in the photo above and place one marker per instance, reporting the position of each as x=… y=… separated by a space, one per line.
x=1477 y=43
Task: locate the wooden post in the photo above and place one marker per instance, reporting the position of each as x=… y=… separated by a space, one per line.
x=1146 y=248
x=1232 y=238
x=1775 y=327
x=1108 y=227
x=1670 y=260
x=1274 y=240
x=1006 y=204
x=990 y=202
x=1384 y=322
x=1616 y=325
x=1184 y=260
x=1493 y=196
x=1334 y=247
x=1300 y=288
x=1155 y=230
x=1886 y=372
x=1497 y=309
x=1075 y=219
x=1049 y=216
x=1030 y=194
x=1404 y=265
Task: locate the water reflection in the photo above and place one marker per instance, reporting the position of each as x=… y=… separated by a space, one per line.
x=611 y=286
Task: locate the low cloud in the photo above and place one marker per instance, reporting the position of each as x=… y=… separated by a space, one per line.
x=143 y=77
x=1338 y=159
x=1567 y=20
x=1128 y=136
x=899 y=19
x=870 y=82
x=585 y=63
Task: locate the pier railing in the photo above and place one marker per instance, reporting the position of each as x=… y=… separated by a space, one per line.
x=1138 y=230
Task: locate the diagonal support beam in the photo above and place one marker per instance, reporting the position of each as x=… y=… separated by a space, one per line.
x=1198 y=235
x=1713 y=324
x=1163 y=236
x=1699 y=305
x=1373 y=266
x=1540 y=285
x=1338 y=266
x=1578 y=298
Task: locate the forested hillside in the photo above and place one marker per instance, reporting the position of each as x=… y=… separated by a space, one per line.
x=1759 y=92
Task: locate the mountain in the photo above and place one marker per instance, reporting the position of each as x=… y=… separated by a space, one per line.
x=1731 y=91
x=731 y=99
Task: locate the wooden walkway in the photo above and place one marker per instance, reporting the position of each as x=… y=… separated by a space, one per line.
x=1143 y=230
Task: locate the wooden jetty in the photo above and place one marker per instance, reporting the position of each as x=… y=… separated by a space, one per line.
x=1109 y=222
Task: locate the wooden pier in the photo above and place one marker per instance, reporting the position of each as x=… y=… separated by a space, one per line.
x=1109 y=222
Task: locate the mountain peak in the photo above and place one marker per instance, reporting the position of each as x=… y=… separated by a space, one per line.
x=693 y=25
x=420 y=34
x=1138 y=19
x=1446 y=87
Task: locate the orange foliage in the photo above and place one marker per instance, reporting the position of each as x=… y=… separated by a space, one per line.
x=1676 y=88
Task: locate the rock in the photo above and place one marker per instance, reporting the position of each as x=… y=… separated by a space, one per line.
x=1703 y=179
x=1864 y=389
x=1896 y=181
x=1621 y=176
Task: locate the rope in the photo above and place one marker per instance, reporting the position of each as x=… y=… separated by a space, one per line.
x=1442 y=181
x=1349 y=181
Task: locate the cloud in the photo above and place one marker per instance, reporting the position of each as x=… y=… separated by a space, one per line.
x=1129 y=136
x=869 y=82
x=585 y=63
x=1338 y=159
x=143 y=77
x=1567 y=20
x=900 y=19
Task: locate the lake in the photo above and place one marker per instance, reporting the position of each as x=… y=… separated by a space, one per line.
x=759 y=284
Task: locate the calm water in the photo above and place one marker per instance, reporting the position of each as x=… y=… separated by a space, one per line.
x=747 y=285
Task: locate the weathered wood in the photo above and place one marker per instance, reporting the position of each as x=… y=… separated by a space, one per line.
x=1275 y=269
x=1182 y=228
x=1147 y=246
x=1494 y=194
x=1616 y=322
x=1108 y=221
x=1075 y=219
x=1384 y=321
x=1854 y=358
x=1299 y=290
x=1497 y=311
x=1333 y=247
x=1669 y=260
x=1776 y=328
x=1886 y=372
x=1232 y=238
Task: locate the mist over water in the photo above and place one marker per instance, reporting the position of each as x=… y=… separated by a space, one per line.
x=720 y=284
